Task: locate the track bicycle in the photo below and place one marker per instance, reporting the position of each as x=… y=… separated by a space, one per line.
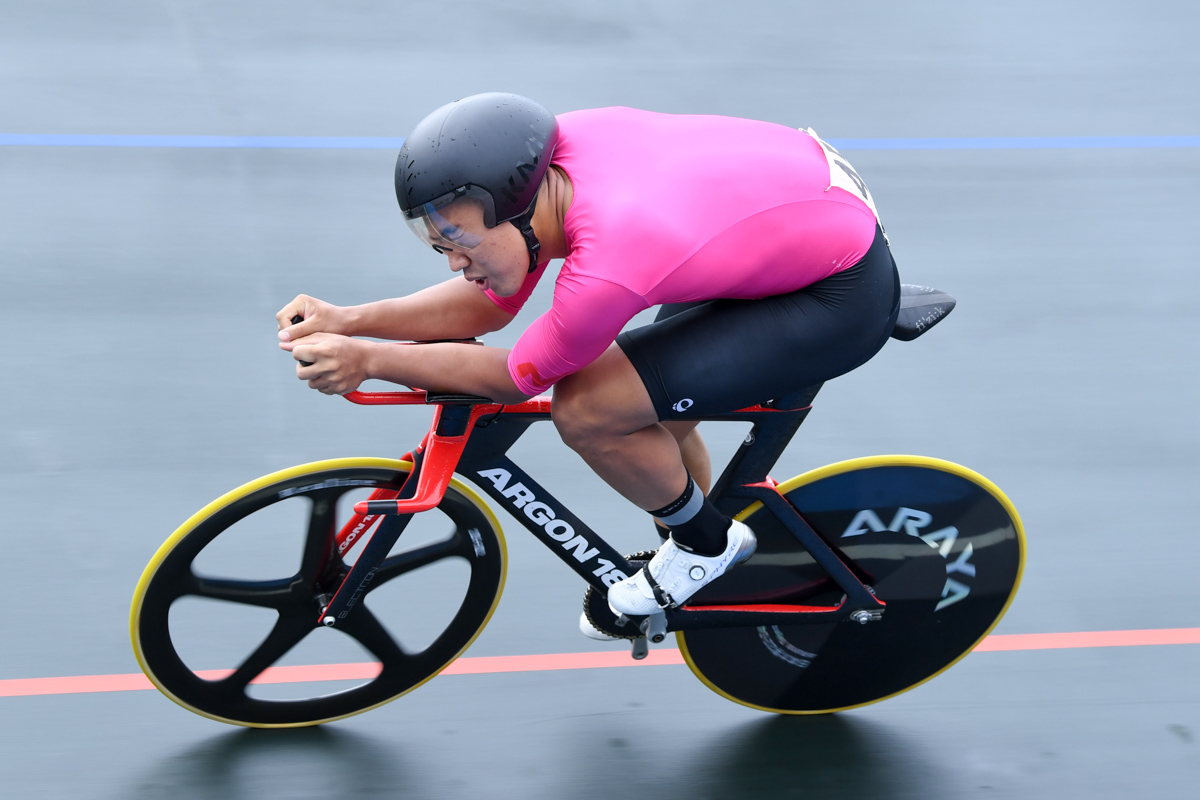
x=871 y=575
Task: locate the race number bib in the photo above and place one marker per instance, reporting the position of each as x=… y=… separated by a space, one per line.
x=842 y=175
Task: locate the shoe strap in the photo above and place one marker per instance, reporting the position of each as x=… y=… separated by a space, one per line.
x=660 y=596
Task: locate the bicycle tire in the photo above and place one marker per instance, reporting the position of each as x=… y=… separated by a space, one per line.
x=476 y=538
x=947 y=577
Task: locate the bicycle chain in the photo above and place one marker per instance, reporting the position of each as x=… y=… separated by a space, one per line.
x=637 y=559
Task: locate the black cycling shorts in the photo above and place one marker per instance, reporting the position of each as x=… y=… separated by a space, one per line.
x=721 y=355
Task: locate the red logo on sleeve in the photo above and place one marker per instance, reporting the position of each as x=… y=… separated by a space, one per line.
x=528 y=370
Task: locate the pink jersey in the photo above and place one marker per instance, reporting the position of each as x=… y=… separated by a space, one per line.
x=671 y=209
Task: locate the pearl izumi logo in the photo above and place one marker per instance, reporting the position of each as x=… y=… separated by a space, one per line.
x=557 y=529
x=911 y=521
x=683 y=405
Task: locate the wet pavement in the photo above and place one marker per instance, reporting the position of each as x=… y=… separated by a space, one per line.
x=138 y=287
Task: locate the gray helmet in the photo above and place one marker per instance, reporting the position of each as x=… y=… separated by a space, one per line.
x=494 y=148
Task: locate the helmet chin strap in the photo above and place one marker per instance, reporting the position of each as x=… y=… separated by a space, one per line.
x=524 y=224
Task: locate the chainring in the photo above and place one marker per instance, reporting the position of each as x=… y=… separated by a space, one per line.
x=595 y=605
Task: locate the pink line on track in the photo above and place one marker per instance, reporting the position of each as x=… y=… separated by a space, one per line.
x=1056 y=641
x=85 y=684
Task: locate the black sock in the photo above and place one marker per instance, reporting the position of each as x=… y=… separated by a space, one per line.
x=696 y=524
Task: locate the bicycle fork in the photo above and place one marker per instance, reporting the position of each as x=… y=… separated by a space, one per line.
x=433 y=467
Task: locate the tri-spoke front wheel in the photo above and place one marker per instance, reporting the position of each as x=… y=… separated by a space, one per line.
x=188 y=580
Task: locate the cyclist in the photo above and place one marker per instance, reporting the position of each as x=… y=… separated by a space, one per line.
x=759 y=241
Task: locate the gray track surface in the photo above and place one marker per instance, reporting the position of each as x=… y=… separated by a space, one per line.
x=137 y=293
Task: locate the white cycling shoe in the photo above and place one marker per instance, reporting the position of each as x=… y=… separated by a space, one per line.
x=592 y=632
x=678 y=574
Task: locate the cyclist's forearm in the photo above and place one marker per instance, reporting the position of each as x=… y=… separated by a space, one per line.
x=447 y=367
x=454 y=309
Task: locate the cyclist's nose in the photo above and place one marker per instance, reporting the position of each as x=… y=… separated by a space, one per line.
x=458 y=260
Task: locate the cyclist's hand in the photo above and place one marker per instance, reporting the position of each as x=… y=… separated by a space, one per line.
x=316 y=316
x=335 y=364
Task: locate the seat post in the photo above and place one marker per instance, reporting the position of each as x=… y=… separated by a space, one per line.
x=772 y=431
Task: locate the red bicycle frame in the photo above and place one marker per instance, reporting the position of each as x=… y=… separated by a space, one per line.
x=449 y=447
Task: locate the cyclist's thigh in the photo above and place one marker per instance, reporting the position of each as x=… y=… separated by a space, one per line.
x=726 y=354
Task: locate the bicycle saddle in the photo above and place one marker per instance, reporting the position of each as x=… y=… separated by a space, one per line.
x=921 y=307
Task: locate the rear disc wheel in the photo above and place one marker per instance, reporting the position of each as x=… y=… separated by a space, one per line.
x=939 y=544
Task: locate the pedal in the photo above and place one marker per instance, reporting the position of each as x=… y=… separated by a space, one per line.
x=655 y=627
x=641 y=648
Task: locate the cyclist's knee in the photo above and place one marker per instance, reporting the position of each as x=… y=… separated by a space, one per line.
x=600 y=402
x=576 y=415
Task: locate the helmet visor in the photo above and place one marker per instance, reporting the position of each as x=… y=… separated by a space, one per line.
x=456 y=220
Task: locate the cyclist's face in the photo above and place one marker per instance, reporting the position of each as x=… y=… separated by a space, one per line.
x=498 y=262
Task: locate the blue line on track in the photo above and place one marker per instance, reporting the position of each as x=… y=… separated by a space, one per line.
x=1020 y=143
x=259 y=142
x=393 y=143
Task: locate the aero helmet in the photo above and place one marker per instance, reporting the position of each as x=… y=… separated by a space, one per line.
x=494 y=148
